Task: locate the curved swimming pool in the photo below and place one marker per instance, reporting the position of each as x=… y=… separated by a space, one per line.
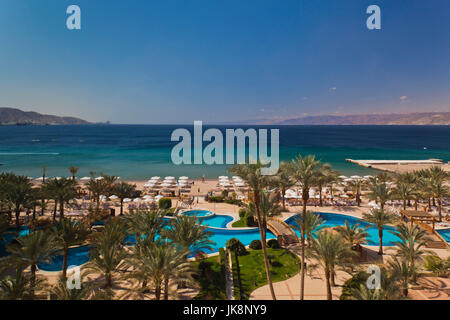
x=210 y=219
x=335 y=220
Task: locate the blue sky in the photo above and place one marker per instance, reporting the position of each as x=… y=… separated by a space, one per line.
x=176 y=61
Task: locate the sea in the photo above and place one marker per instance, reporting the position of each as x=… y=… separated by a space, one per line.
x=138 y=152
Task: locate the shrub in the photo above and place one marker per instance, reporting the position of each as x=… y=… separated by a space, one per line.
x=236 y=246
x=242 y=212
x=225 y=193
x=250 y=221
x=215 y=199
x=165 y=203
x=437 y=265
x=255 y=245
x=273 y=243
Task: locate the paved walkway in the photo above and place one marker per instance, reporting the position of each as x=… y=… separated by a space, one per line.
x=315 y=288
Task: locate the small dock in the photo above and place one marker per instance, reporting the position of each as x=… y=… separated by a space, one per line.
x=401 y=166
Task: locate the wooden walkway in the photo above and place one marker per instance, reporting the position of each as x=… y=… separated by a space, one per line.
x=283 y=231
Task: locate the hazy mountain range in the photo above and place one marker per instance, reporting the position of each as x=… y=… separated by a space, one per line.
x=415 y=118
x=12 y=116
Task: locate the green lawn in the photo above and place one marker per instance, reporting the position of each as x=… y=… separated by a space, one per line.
x=211 y=275
x=284 y=264
x=241 y=223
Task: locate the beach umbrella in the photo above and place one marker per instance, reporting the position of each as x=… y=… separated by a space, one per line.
x=355 y=177
x=113 y=197
x=39 y=179
x=127 y=200
x=169 y=178
x=147 y=196
x=149 y=185
x=137 y=200
x=99 y=178
x=155 y=178
x=367 y=177
x=158 y=197
x=344 y=196
x=148 y=200
x=102 y=198
x=342 y=177
x=183 y=178
x=85 y=179
x=164 y=185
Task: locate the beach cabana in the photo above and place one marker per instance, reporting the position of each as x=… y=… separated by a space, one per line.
x=421 y=216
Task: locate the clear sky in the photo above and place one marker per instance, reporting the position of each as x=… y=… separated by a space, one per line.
x=176 y=61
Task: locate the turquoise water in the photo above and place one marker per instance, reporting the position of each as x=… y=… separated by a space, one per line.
x=80 y=255
x=207 y=218
x=334 y=220
x=9 y=236
x=198 y=213
x=142 y=151
x=445 y=233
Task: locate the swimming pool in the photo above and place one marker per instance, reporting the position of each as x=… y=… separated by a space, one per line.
x=9 y=236
x=210 y=219
x=77 y=256
x=334 y=220
x=445 y=233
x=198 y=213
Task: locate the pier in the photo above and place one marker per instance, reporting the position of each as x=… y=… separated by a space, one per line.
x=401 y=166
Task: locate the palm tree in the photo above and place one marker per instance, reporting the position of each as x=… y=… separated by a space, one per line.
x=188 y=234
x=107 y=254
x=146 y=224
x=123 y=190
x=283 y=181
x=404 y=191
x=61 y=291
x=44 y=171
x=330 y=250
x=73 y=172
x=251 y=174
x=314 y=223
x=379 y=218
x=325 y=176
x=31 y=250
x=62 y=191
x=402 y=271
x=355 y=235
x=304 y=170
x=97 y=188
x=157 y=264
x=69 y=233
x=18 y=194
x=379 y=192
x=238 y=248
x=356 y=187
x=411 y=244
x=440 y=191
x=18 y=287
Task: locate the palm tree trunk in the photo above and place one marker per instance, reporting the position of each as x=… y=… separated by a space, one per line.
x=440 y=210
x=263 y=245
x=55 y=210
x=320 y=196
x=283 y=193
x=65 y=254
x=327 y=276
x=166 y=288
x=33 y=278
x=61 y=209
x=121 y=207
x=17 y=211
x=332 y=278
x=158 y=291
x=302 y=261
x=380 y=235
x=238 y=270
x=404 y=204
x=108 y=277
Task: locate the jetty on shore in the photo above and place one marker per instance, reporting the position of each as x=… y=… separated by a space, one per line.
x=401 y=166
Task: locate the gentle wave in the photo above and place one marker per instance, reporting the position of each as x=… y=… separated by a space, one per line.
x=29 y=153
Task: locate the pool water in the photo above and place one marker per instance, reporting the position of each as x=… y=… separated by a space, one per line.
x=9 y=236
x=77 y=256
x=216 y=221
x=198 y=213
x=445 y=233
x=334 y=220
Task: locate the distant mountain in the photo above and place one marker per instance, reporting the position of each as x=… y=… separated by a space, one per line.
x=11 y=116
x=417 y=118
